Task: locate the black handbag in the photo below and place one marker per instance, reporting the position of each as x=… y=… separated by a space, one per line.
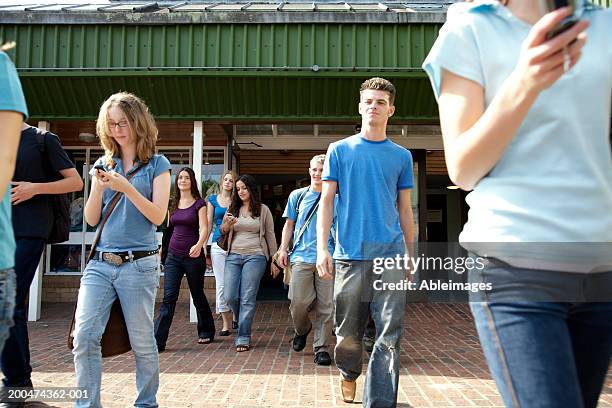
x=167 y=234
x=223 y=241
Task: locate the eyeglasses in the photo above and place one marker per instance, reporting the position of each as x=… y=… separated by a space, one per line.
x=121 y=125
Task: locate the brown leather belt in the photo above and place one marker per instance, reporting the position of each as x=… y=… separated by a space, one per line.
x=119 y=258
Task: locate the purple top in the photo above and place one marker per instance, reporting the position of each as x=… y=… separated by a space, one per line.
x=186 y=228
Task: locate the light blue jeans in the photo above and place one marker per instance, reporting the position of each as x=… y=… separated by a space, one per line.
x=135 y=283
x=356 y=294
x=7 y=303
x=242 y=276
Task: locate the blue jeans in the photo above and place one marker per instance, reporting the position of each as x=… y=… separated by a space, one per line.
x=16 y=354
x=135 y=283
x=175 y=267
x=7 y=303
x=356 y=294
x=242 y=277
x=543 y=353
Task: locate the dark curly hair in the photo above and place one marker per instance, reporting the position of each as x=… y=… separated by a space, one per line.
x=176 y=194
x=254 y=204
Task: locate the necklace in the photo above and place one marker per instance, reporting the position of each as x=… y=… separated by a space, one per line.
x=224 y=200
x=185 y=203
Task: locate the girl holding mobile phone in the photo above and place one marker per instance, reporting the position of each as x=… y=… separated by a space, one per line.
x=251 y=242
x=126 y=262
x=527 y=130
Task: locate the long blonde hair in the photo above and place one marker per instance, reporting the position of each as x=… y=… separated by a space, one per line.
x=234 y=178
x=141 y=122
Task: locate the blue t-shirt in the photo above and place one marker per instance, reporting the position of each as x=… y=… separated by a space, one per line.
x=217 y=216
x=127 y=229
x=369 y=176
x=553 y=182
x=306 y=248
x=11 y=99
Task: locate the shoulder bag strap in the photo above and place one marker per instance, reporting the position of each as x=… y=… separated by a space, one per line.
x=309 y=218
x=111 y=206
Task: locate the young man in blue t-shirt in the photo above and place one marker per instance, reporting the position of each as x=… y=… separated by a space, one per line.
x=306 y=286
x=372 y=177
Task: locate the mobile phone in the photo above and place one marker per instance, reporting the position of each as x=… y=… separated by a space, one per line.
x=568 y=22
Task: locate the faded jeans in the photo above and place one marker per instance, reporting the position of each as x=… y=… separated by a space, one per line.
x=243 y=274
x=135 y=283
x=354 y=296
x=7 y=303
x=542 y=354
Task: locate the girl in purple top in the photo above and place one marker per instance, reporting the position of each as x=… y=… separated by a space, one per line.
x=185 y=257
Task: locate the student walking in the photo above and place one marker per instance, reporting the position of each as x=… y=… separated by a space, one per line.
x=126 y=262
x=186 y=256
x=13 y=111
x=217 y=207
x=528 y=131
x=373 y=177
x=251 y=242
x=306 y=286
x=43 y=169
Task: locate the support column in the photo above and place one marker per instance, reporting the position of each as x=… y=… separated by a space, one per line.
x=198 y=144
x=35 y=298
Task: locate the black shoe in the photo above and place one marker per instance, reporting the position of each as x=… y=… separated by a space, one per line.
x=161 y=349
x=12 y=404
x=322 y=358
x=224 y=333
x=299 y=340
x=6 y=401
x=234 y=324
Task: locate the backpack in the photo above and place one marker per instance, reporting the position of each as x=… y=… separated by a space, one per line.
x=60 y=230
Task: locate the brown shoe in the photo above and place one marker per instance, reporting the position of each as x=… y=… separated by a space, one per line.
x=348 y=389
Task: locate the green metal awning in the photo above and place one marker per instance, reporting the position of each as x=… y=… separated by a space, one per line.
x=225 y=98
x=262 y=66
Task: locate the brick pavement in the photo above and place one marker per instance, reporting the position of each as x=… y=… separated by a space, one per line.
x=441 y=360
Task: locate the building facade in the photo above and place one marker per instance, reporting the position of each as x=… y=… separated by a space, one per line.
x=257 y=87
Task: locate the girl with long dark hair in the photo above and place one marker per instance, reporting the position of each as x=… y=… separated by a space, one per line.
x=189 y=223
x=251 y=242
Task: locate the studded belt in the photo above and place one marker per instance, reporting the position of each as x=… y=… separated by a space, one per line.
x=119 y=258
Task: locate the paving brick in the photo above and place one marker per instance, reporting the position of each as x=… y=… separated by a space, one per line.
x=441 y=364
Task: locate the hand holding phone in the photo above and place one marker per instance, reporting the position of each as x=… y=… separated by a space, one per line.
x=568 y=22
x=100 y=175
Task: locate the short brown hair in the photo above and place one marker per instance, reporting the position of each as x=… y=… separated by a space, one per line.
x=379 y=84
